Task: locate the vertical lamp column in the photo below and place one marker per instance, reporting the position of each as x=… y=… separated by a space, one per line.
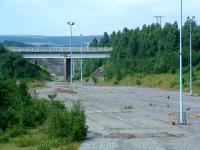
x=71 y=24
x=191 y=20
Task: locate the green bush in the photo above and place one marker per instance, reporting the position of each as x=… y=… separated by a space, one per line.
x=43 y=146
x=35 y=113
x=16 y=130
x=18 y=110
x=138 y=82
x=4 y=137
x=58 y=105
x=52 y=96
x=67 y=123
x=78 y=122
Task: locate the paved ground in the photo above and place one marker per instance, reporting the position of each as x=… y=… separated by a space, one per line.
x=132 y=118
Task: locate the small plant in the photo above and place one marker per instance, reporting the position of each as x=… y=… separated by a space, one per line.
x=128 y=107
x=87 y=80
x=34 y=94
x=138 y=82
x=52 y=96
x=94 y=79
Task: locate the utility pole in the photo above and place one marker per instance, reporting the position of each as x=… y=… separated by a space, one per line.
x=81 y=57
x=159 y=19
x=71 y=24
x=191 y=20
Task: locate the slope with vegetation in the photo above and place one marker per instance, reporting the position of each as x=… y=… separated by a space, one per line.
x=14 y=66
x=29 y=122
x=151 y=54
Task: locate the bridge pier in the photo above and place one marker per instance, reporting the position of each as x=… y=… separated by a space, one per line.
x=66 y=68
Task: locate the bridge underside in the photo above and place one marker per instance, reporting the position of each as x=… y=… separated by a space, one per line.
x=67 y=63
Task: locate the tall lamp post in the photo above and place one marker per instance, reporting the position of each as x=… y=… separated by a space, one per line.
x=81 y=57
x=71 y=24
x=191 y=20
x=182 y=115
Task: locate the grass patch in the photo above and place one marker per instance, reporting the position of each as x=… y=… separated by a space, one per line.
x=36 y=83
x=167 y=81
x=35 y=139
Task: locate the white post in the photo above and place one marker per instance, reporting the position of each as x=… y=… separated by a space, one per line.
x=181 y=74
x=191 y=92
x=71 y=24
x=81 y=59
x=71 y=57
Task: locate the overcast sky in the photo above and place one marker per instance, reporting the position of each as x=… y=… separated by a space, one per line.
x=92 y=17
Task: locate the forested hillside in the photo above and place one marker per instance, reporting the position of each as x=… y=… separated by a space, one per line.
x=148 y=51
x=14 y=66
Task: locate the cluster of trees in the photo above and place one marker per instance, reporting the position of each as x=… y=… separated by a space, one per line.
x=151 y=49
x=21 y=109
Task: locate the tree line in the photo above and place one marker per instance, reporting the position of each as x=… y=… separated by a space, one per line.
x=150 y=50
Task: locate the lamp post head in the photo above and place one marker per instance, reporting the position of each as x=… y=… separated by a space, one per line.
x=70 y=23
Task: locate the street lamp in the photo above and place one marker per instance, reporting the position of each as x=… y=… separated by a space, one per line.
x=81 y=58
x=191 y=20
x=71 y=24
x=182 y=115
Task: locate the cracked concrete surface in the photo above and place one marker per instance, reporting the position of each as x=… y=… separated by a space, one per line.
x=146 y=124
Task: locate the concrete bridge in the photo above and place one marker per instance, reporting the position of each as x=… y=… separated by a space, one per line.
x=63 y=53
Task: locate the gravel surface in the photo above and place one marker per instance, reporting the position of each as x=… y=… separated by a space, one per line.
x=133 y=118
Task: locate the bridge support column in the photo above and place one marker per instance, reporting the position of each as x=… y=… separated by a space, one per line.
x=66 y=68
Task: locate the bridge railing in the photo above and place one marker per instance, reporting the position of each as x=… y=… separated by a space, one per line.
x=58 y=49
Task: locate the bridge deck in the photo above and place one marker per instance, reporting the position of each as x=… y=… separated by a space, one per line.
x=63 y=52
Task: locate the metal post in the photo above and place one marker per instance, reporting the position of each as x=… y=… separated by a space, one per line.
x=81 y=59
x=181 y=75
x=71 y=81
x=191 y=92
x=73 y=67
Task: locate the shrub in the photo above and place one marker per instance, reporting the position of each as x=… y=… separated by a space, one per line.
x=4 y=137
x=35 y=113
x=16 y=130
x=138 y=82
x=55 y=104
x=94 y=79
x=18 y=110
x=78 y=122
x=52 y=96
x=67 y=123
x=43 y=146
x=58 y=124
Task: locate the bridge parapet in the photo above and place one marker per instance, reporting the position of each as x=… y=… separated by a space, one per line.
x=58 y=49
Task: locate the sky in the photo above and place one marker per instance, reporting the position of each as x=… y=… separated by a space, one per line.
x=91 y=17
